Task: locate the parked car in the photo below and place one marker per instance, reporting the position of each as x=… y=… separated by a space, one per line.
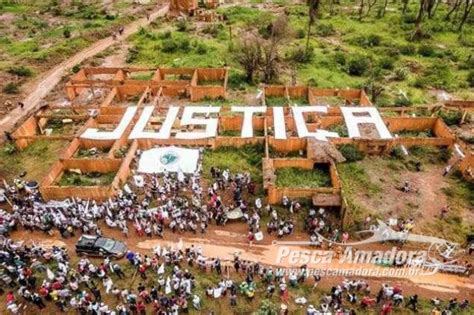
x=91 y=245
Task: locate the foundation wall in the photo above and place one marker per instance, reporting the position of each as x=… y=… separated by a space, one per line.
x=275 y=194
x=88 y=193
x=237 y=141
x=197 y=84
x=198 y=93
x=27 y=129
x=405 y=123
x=298 y=163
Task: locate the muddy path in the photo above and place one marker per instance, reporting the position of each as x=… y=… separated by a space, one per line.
x=47 y=81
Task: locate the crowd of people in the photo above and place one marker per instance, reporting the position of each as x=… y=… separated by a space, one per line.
x=165 y=282
x=174 y=200
x=82 y=287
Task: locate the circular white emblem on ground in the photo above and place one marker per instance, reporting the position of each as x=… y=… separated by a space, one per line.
x=169 y=157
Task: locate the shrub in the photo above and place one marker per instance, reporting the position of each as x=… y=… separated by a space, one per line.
x=439 y=75
x=164 y=35
x=340 y=58
x=420 y=82
x=386 y=63
x=76 y=68
x=326 y=30
x=397 y=153
x=358 y=65
x=142 y=31
x=374 y=40
x=340 y=129
x=300 y=33
x=371 y=40
x=132 y=55
x=236 y=80
x=184 y=45
x=408 y=49
x=403 y=101
x=409 y=18
x=301 y=56
x=56 y=11
x=351 y=153
x=451 y=118
x=312 y=82
x=182 y=26
x=392 y=52
x=470 y=78
x=201 y=48
x=11 y=88
x=9 y=148
x=445 y=154
x=21 y=71
x=468 y=64
x=67 y=33
x=401 y=73
x=426 y=50
x=213 y=29
x=169 y=46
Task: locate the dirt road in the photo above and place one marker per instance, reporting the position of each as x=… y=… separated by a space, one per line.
x=48 y=80
x=224 y=242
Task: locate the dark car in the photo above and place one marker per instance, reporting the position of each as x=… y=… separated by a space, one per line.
x=100 y=246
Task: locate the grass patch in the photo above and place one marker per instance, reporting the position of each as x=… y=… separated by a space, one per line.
x=60 y=128
x=355 y=180
x=350 y=152
x=35 y=160
x=341 y=130
x=245 y=159
x=302 y=178
x=429 y=154
x=85 y=153
x=416 y=133
x=354 y=177
x=460 y=198
x=276 y=101
x=86 y=179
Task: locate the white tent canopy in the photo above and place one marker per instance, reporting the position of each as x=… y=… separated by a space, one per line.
x=170 y=159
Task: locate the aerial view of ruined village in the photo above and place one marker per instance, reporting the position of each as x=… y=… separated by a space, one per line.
x=264 y=157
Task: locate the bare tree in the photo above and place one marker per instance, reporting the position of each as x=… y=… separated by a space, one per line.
x=249 y=55
x=432 y=7
x=455 y=7
x=375 y=84
x=361 y=9
x=370 y=5
x=270 y=62
x=313 y=8
x=467 y=9
x=419 y=18
x=384 y=8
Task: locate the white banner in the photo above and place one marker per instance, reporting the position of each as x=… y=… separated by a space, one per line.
x=171 y=159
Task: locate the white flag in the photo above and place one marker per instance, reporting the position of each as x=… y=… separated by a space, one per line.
x=168 y=286
x=50 y=274
x=161 y=269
